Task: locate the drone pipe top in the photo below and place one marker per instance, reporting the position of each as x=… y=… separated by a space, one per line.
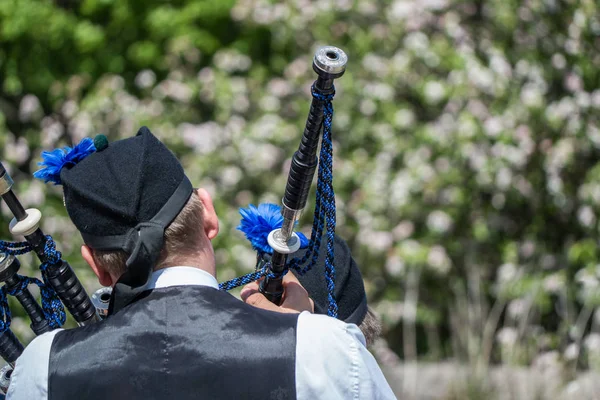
x=60 y=275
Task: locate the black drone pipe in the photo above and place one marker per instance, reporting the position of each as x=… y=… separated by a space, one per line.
x=329 y=63
x=10 y=347
x=9 y=266
x=60 y=276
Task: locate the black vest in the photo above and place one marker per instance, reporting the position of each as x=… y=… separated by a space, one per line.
x=184 y=342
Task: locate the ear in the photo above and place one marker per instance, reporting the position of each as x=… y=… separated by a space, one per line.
x=209 y=216
x=103 y=276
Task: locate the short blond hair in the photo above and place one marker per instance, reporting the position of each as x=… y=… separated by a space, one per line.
x=181 y=238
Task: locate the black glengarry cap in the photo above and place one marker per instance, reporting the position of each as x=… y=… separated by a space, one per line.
x=123 y=197
x=349 y=286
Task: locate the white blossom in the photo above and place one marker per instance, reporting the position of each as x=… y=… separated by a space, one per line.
x=571 y=352
x=403 y=230
x=16 y=150
x=231 y=61
x=586 y=216
x=507 y=336
x=586 y=279
x=395 y=266
x=592 y=342
x=554 y=283
x=507 y=272
x=438 y=221
x=549 y=360
x=517 y=308
x=434 y=91
x=404 y=118
x=30 y=107
x=377 y=241
x=438 y=259
x=145 y=78
x=204 y=138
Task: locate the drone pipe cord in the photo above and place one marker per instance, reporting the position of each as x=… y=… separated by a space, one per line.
x=329 y=63
x=59 y=274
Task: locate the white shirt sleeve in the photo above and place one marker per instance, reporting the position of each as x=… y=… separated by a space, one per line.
x=29 y=380
x=332 y=362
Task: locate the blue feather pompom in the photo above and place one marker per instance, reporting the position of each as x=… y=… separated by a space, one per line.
x=258 y=222
x=56 y=160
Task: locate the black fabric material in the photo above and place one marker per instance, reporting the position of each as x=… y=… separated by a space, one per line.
x=129 y=242
x=111 y=191
x=144 y=243
x=349 y=287
x=185 y=342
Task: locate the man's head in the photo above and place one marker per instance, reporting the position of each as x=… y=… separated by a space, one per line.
x=135 y=208
x=186 y=242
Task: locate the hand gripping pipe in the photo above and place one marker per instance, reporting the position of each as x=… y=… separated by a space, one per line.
x=60 y=276
x=329 y=63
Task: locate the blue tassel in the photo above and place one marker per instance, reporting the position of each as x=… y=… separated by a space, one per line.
x=258 y=222
x=56 y=160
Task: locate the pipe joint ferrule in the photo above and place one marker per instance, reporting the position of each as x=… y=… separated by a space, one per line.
x=28 y=225
x=290 y=217
x=6 y=184
x=283 y=245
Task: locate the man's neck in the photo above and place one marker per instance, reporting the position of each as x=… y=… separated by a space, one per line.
x=200 y=262
x=180 y=276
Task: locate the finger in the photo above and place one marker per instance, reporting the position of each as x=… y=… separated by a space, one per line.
x=298 y=291
x=295 y=291
x=290 y=277
x=291 y=282
x=296 y=298
x=258 y=300
x=248 y=290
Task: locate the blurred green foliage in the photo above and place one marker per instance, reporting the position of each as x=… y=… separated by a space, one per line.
x=466 y=135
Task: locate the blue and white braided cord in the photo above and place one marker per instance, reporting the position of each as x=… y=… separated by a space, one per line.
x=243 y=280
x=53 y=308
x=14 y=248
x=5 y=316
x=51 y=304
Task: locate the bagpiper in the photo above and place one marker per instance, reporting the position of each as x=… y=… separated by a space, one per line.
x=171 y=334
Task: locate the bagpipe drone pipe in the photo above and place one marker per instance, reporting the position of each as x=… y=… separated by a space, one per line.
x=269 y=228
x=273 y=236
x=59 y=287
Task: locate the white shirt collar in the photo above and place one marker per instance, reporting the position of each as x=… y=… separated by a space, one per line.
x=181 y=276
